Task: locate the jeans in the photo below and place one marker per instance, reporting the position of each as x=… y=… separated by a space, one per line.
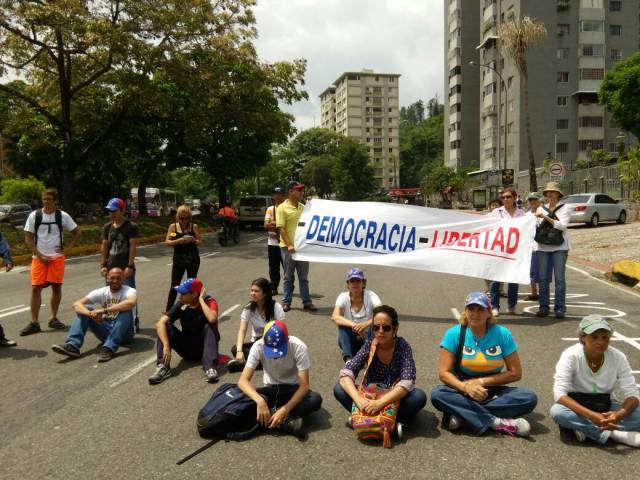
x=189 y=263
x=111 y=333
x=567 y=418
x=302 y=268
x=556 y=261
x=275 y=260
x=512 y=294
x=510 y=402
x=349 y=341
x=203 y=347
x=278 y=395
x=409 y=407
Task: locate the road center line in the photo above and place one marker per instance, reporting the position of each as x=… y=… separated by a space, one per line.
x=13 y=312
x=11 y=308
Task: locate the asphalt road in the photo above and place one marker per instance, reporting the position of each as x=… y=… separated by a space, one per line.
x=64 y=418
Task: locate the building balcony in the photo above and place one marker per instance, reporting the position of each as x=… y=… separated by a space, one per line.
x=586 y=133
x=490 y=110
x=455 y=5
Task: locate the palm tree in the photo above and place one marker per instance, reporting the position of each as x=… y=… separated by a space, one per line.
x=516 y=38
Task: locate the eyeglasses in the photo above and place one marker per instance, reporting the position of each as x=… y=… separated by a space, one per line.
x=506 y=196
x=384 y=328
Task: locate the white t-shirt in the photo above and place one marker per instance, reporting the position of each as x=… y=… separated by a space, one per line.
x=269 y=216
x=49 y=235
x=371 y=300
x=258 y=321
x=104 y=297
x=281 y=371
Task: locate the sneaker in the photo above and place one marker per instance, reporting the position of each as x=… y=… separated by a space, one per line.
x=631 y=439
x=559 y=315
x=105 y=354
x=274 y=292
x=511 y=311
x=495 y=312
x=399 y=430
x=160 y=375
x=542 y=313
x=513 y=426
x=66 y=349
x=30 y=329
x=136 y=324
x=455 y=423
x=346 y=358
x=350 y=422
x=212 y=375
x=286 y=307
x=531 y=297
x=293 y=426
x=310 y=307
x=580 y=436
x=56 y=324
x=5 y=342
x=234 y=365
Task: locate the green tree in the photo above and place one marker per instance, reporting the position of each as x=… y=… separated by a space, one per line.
x=629 y=166
x=312 y=143
x=21 y=190
x=440 y=177
x=353 y=176
x=421 y=146
x=318 y=174
x=620 y=93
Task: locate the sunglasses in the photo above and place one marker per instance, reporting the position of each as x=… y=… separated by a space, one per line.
x=384 y=328
x=184 y=218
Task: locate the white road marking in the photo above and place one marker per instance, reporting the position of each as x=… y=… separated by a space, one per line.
x=20 y=310
x=11 y=308
x=258 y=239
x=145 y=363
x=142 y=259
x=602 y=281
x=532 y=309
x=14 y=270
x=575 y=339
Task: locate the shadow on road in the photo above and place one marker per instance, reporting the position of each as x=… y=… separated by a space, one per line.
x=17 y=353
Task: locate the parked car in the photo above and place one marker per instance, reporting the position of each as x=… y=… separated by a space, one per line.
x=251 y=210
x=14 y=213
x=593 y=208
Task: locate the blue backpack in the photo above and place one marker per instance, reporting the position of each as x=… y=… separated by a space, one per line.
x=228 y=414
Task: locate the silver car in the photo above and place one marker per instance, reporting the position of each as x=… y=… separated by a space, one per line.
x=593 y=208
x=14 y=213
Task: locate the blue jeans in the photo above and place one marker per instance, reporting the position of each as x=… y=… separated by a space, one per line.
x=510 y=402
x=291 y=267
x=349 y=341
x=409 y=407
x=567 y=418
x=557 y=262
x=512 y=294
x=111 y=334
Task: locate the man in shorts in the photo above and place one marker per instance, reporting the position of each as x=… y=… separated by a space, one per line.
x=43 y=234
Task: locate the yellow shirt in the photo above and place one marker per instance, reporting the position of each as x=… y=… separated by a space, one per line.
x=287 y=217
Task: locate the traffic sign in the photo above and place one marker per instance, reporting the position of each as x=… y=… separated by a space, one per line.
x=556 y=169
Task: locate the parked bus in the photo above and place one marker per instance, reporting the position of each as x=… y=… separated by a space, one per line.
x=160 y=202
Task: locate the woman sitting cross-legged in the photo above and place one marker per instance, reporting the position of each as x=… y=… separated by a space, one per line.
x=474 y=391
x=586 y=376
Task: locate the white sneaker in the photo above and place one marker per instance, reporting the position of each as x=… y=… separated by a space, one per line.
x=580 y=436
x=512 y=426
x=496 y=312
x=212 y=375
x=455 y=423
x=628 y=438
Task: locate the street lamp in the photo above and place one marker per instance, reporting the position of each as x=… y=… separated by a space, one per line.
x=489 y=66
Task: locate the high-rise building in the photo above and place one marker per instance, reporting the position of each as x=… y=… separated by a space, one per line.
x=585 y=38
x=365 y=105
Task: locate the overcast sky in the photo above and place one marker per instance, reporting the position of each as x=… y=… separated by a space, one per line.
x=335 y=36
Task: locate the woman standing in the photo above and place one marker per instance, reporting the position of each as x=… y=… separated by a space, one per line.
x=184 y=237
x=353 y=314
x=474 y=375
x=553 y=258
x=586 y=376
x=507 y=210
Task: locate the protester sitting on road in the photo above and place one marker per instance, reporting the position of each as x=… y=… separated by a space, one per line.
x=553 y=258
x=286 y=396
x=198 y=339
x=392 y=367
x=533 y=199
x=353 y=314
x=112 y=323
x=586 y=376
x=474 y=391
x=508 y=210
x=44 y=236
x=184 y=237
x=260 y=310
x=5 y=253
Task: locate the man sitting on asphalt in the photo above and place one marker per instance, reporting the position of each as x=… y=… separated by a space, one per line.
x=286 y=396
x=112 y=323
x=198 y=340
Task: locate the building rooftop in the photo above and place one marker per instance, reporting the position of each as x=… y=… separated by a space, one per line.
x=367 y=72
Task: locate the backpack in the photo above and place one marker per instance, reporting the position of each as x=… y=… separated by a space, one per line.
x=229 y=414
x=58 y=222
x=546 y=233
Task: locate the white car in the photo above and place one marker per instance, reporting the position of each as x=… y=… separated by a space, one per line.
x=593 y=208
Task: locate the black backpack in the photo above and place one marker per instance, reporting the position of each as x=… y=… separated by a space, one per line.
x=228 y=414
x=58 y=222
x=546 y=233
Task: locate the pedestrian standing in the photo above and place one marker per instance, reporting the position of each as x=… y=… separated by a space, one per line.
x=5 y=253
x=287 y=217
x=184 y=237
x=44 y=236
x=273 y=240
x=533 y=199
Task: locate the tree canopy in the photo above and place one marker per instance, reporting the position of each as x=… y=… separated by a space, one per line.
x=620 y=93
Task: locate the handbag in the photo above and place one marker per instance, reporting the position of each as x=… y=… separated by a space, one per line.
x=377 y=426
x=546 y=233
x=596 y=402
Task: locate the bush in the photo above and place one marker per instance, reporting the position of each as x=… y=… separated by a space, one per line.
x=21 y=190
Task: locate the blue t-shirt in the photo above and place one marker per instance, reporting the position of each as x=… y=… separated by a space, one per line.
x=481 y=356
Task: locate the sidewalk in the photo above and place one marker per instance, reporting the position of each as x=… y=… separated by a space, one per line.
x=602 y=246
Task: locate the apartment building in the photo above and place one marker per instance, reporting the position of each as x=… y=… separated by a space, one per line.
x=365 y=105
x=585 y=38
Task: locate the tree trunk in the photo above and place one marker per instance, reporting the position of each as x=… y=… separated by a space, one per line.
x=533 y=180
x=222 y=190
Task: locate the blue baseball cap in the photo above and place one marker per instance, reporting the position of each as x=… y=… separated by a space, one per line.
x=115 y=204
x=276 y=339
x=355 y=273
x=189 y=285
x=477 y=298
x=279 y=190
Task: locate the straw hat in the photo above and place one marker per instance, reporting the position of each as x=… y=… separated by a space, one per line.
x=552 y=187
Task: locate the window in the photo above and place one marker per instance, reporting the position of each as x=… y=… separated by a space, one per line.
x=615 y=6
x=455 y=89
x=584 y=145
x=509 y=81
x=563 y=29
x=510 y=127
x=591 y=4
x=590 y=122
x=562 y=100
x=391 y=130
x=592 y=26
x=592 y=50
x=391 y=150
x=563 y=77
x=613 y=148
x=615 y=54
x=489 y=89
x=562 y=53
x=591 y=73
x=562 y=123
x=510 y=106
x=562 y=147
x=615 y=30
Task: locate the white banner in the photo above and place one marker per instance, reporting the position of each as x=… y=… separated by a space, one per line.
x=420 y=238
